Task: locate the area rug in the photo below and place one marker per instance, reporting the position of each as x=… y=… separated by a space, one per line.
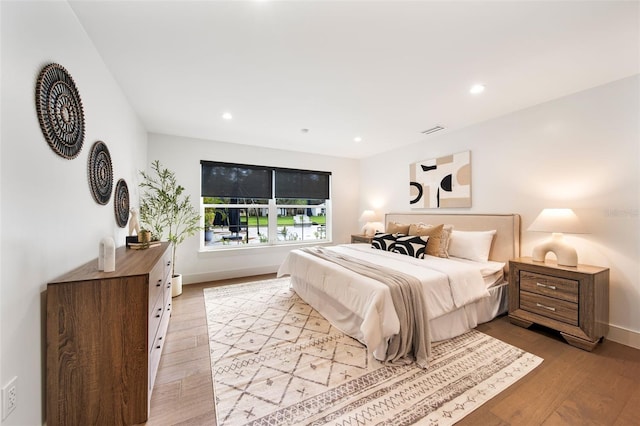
x=276 y=361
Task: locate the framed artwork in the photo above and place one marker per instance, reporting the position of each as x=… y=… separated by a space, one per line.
x=443 y=182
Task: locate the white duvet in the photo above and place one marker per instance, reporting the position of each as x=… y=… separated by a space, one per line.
x=362 y=307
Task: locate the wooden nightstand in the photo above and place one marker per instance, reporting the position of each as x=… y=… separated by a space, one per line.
x=359 y=238
x=571 y=300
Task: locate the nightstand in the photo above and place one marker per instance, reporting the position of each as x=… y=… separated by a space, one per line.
x=359 y=238
x=572 y=300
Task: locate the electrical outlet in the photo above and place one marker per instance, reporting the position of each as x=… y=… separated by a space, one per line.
x=9 y=397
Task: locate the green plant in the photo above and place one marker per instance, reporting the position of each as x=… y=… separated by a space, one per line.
x=208 y=218
x=165 y=209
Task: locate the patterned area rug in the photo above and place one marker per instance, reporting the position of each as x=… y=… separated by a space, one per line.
x=276 y=361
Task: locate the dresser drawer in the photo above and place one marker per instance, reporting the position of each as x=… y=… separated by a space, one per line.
x=156 y=281
x=155 y=317
x=156 y=347
x=547 y=285
x=166 y=261
x=549 y=307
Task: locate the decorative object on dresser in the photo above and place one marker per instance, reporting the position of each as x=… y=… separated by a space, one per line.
x=442 y=182
x=134 y=222
x=167 y=210
x=105 y=333
x=60 y=112
x=358 y=238
x=107 y=255
x=571 y=300
x=100 y=173
x=372 y=223
x=557 y=221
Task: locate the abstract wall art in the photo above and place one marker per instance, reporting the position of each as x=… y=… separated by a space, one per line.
x=443 y=182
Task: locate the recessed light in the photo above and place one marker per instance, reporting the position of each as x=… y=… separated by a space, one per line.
x=227 y=116
x=476 y=89
x=304 y=130
x=357 y=139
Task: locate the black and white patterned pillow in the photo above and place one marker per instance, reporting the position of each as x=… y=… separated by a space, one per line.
x=411 y=245
x=383 y=241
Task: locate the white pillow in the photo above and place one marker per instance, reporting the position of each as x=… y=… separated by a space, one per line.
x=472 y=245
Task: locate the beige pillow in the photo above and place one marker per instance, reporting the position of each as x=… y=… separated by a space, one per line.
x=445 y=239
x=433 y=232
x=397 y=228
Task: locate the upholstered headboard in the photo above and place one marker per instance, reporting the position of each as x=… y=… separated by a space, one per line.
x=506 y=242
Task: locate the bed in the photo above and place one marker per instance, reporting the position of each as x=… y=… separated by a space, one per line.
x=458 y=292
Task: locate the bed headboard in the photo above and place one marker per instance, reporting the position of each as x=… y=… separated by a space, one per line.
x=505 y=245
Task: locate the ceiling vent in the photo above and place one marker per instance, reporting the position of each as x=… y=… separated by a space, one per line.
x=432 y=130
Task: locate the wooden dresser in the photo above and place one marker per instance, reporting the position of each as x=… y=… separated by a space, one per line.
x=571 y=300
x=105 y=332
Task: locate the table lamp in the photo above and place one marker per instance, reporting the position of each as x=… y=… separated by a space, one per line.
x=371 y=225
x=557 y=221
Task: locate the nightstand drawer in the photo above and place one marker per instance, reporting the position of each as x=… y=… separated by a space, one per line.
x=547 y=285
x=549 y=307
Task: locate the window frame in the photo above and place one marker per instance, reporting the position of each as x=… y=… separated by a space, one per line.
x=273 y=208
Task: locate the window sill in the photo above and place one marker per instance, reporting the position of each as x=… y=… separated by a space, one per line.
x=243 y=248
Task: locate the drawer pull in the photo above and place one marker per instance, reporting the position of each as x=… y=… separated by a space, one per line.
x=159 y=283
x=549 y=308
x=169 y=263
x=551 y=287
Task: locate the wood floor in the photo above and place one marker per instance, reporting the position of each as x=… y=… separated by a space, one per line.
x=571 y=387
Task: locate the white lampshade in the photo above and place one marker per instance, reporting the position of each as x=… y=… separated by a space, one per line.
x=368 y=216
x=557 y=221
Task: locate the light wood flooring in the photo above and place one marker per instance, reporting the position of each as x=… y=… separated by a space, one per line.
x=571 y=387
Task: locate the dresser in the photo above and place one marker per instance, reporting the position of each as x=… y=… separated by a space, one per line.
x=571 y=300
x=105 y=332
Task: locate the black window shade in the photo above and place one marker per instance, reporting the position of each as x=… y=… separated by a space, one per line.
x=229 y=180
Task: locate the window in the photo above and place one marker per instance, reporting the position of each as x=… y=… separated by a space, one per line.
x=248 y=205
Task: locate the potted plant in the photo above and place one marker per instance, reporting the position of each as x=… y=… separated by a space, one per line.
x=208 y=225
x=166 y=210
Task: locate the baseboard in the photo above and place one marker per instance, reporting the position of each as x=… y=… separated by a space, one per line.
x=228 y=274
x=624 y=336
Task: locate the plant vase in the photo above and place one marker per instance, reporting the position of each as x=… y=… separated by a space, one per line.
x=176 y=285
x=144 y=236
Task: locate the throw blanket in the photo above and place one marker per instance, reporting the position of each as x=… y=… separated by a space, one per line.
x=412 y=342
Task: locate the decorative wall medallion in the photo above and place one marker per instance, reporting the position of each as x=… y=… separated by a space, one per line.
x=442 y=182
x=60 y=111
x=121 y=203
x=100 y=173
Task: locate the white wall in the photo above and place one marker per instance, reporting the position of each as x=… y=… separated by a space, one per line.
x=581 y=151
x=50 y=223
x=183 y=155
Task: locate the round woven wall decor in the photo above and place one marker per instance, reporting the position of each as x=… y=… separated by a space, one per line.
x=100 y=173
x=121 y=203
x=60 y=111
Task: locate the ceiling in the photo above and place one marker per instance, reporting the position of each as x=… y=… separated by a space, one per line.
x=381 y=70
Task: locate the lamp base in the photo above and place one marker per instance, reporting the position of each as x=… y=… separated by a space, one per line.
x=371 y=228
x=567 y=255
